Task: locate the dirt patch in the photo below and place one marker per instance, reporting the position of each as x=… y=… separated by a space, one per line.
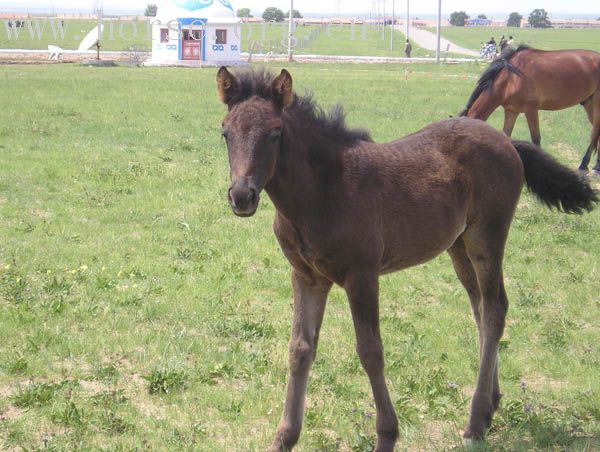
x=136 y=391
x=537 y=382
x=468 y=391
x=94 y=387
x=6 y=391
x=437 y=435
x=10 y=413
x=40 y=213
x=568 y=151
x=439 y=431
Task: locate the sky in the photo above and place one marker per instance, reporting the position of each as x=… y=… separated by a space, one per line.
x=495 y=9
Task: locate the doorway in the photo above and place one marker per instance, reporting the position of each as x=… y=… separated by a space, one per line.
x=191 y=44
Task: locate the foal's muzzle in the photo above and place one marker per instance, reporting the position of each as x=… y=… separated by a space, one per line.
x=243 y=198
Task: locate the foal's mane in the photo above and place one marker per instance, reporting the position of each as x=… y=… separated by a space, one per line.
x=303 y=110
x=486 y=81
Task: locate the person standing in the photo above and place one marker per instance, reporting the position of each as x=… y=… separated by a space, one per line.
x=407 y=48
x=502 y=43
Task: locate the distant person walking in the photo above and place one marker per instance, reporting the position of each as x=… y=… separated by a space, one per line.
x=407 y=48
x=509 y=43
x=502 y=43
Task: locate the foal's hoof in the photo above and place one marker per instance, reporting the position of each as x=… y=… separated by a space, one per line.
x=471 y=442
x=595 y=173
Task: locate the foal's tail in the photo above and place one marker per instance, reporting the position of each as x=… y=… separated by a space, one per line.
x=553 y=183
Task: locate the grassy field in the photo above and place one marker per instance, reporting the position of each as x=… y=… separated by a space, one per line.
x=269 y=36
x=360 y=39
x=136 y=312
x=117 y=35
x=548 y=39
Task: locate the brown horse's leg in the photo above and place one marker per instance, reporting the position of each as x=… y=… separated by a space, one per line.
x=363 y=296
x=309 y=305
x=510 y=117
x=467 y=276
x=484 y=247
x=589 y=109
x=533 y=121
x=592 y=108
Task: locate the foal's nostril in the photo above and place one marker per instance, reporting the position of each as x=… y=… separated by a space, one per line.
x=251 y=197
x=230 y=197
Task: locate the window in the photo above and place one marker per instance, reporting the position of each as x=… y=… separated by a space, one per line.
x=192 y=35
x=164 y=35
x=221 y=37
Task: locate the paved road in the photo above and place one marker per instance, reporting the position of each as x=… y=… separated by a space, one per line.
x=428 y=40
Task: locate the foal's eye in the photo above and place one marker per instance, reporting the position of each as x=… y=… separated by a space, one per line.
x=274 y=134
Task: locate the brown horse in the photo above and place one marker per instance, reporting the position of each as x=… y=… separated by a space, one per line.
x=348 y=210
x=526 y=80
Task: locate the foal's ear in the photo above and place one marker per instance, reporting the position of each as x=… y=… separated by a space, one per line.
x=226 y=84
x=282 y=89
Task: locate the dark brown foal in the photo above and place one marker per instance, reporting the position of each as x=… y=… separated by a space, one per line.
x=348 y=210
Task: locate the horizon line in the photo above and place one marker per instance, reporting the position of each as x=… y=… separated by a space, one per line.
x=140 y=12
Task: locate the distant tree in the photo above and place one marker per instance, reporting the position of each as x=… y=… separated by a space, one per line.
x=244 y=12
x=482 y=16
x=295 y=12
x=539 y=19
x=458 y=18
x=514 y=20
x=273 y=14
x=151 y=9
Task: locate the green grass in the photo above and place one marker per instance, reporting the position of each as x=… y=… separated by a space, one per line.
x=273 y=37
x=546 y=39
x=361 y=39
x=136 y=312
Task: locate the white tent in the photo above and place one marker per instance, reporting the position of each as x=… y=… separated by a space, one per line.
x=195 y=32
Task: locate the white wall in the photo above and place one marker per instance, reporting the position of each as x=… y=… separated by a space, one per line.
x=165 y=51
x=169 y=52
x=223 y=52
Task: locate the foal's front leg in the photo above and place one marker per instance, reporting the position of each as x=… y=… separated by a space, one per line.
x=310 y=296
x=363 y=294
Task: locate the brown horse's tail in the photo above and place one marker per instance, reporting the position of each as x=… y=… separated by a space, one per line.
x=553 y=183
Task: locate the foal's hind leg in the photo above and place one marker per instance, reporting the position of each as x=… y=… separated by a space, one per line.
x=484 y=246
x=310 y=297
x=466 y=274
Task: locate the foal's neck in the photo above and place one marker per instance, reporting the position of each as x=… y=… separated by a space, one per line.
x=306 y=166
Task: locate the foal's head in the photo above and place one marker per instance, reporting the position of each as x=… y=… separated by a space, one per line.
x=252 y=129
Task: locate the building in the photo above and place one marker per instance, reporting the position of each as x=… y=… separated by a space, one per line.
x=195 y=33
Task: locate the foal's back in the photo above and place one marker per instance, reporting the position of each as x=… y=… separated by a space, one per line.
x=413 y=197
